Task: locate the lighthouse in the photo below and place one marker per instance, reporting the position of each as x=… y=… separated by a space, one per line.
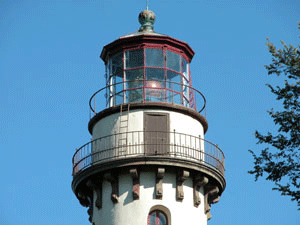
x=148 y=161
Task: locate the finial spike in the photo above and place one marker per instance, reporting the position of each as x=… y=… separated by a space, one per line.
x=146 y=19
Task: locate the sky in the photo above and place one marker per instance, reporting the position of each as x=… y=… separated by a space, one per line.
x=50 y=67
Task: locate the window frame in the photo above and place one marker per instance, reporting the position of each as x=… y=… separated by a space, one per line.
x=157 y=212
x=162 y=209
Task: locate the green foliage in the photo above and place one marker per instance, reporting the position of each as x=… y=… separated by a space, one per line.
x=281 y=162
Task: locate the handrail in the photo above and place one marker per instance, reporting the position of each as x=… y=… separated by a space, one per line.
x=192 y=104
x=167 y=144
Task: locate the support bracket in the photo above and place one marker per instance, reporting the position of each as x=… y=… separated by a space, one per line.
x=113 y=179
x=135 y=183
x=199 y=181
x=159 y=183
x=96 y=185
x=181 y=177
x=211 y=196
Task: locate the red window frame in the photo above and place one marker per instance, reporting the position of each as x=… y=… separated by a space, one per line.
x=190 y=99
x=157 y=222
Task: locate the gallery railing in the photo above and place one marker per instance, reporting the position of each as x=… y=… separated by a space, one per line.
x=148 y=144
x=144 y=91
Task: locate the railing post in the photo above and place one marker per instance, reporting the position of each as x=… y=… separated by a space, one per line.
x=195 y=103
x=200 y=150
x=139 y=144
x=158 y=149
x=190 y=148
x=186 y=147
x=174 y=143
x=144 y=133
x=74 y=163
x=180 y=145
x=116 y=149
x=95 y=106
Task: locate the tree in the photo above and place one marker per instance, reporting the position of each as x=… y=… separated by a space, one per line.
x=280 y=162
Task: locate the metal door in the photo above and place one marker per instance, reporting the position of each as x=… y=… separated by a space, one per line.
x=156 y=136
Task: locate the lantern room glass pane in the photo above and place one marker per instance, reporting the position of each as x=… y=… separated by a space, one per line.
x=115 y=75
x=155 y=74
x=185 y=68
x=134 y=85
x=154 y=57
x=118 y=78
x=173 y=77
x=174 y=81
x=173 y=97
x=173 y=61
x=186 y=92
x=154 y=85
x=116 y=65
x=134 y=58
x=154 y=94
x=134 y=75
x=118 y=96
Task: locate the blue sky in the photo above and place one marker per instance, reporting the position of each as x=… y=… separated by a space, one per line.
x=50 y=67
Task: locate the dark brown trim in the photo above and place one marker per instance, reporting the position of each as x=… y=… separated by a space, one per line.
x=214 y=176
x=181 y=176
x=149 y=105
x=135 y=183
x=164 y=134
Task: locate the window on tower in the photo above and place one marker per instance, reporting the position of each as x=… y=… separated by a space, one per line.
x=157 y=217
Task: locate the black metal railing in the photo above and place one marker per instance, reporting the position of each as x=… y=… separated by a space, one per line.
x=139 y=91
x=148 y=144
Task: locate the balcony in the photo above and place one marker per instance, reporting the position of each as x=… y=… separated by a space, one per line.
x=161 y=146
x=148 y=91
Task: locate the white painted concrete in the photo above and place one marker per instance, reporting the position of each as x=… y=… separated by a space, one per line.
x=135 y=212
x=180 y=122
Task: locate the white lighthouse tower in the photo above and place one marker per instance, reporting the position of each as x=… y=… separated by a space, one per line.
x=148 y=162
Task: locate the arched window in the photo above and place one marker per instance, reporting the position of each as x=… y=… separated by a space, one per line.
x=157 y=217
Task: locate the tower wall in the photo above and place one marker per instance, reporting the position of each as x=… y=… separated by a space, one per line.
x=179 y=122
x=135 y=212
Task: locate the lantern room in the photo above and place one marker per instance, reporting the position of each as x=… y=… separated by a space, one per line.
x=148 y=67
x=148 y=73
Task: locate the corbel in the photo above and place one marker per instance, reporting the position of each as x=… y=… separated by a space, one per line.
x=82 y=198
x=208 y=216
x=98 y=190
x=135 y=183
x=159 y=183
x=181 y=177
x=213 y=195
x=210 y=197
x=90 y=213
x=90 y=186
x=96 y=185
x=113 y=179
x=199 y=181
